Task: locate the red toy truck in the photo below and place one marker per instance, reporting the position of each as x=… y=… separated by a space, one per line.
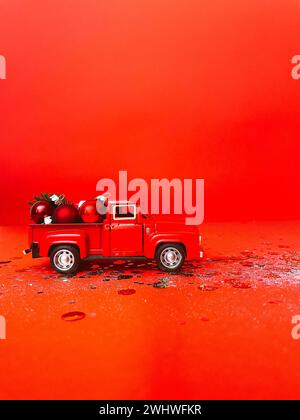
x=125 y=233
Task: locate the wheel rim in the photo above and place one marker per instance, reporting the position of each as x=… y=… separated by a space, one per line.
x=170 y=257
x=64 y=259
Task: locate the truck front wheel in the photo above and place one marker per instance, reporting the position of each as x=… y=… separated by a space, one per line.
x=65 y=259
x=170 y=257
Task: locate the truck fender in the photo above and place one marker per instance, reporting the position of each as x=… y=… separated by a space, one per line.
x=78 y=239
x=152 y=243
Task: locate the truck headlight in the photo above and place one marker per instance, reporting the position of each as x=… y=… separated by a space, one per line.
x=200 y=239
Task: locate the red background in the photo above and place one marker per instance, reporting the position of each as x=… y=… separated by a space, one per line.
x=160 y=88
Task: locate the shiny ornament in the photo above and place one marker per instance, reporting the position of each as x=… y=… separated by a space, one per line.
x=65 y=213
x=41 y=209
x=88 y=212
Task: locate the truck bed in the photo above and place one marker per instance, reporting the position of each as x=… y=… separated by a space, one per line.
x=90 y=234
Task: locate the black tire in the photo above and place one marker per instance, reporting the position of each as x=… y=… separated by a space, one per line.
x=170 y=257
x=65 y=259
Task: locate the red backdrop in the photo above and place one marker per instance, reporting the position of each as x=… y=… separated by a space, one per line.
x=161 y=88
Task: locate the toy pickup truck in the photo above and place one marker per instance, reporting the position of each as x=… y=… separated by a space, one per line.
x=124 y=233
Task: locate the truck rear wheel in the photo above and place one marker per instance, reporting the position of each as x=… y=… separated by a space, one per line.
x=65 y=259
x=170 y=257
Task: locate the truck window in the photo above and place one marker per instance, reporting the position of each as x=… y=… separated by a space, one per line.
x=124 y=212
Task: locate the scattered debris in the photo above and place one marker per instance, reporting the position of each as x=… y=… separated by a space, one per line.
x=208 y=287
x=241 y=284
x=163 y=283
x=124 y=276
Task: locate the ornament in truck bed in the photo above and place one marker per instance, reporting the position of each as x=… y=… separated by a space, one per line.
x=123 y=232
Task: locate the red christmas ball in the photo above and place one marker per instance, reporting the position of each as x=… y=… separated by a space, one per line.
x=88 y=212
x=40 y=209
x=65 y=213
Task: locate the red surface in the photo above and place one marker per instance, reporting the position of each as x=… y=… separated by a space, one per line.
x=159 y=88
x=221 y=329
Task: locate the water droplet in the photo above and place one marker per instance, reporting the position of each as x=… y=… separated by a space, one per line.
x=73 y=316
x=126 y=292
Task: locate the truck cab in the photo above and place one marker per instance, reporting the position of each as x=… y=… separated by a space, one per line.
x=124 y=233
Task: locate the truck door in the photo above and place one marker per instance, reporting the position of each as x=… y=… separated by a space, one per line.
x=126 y=234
